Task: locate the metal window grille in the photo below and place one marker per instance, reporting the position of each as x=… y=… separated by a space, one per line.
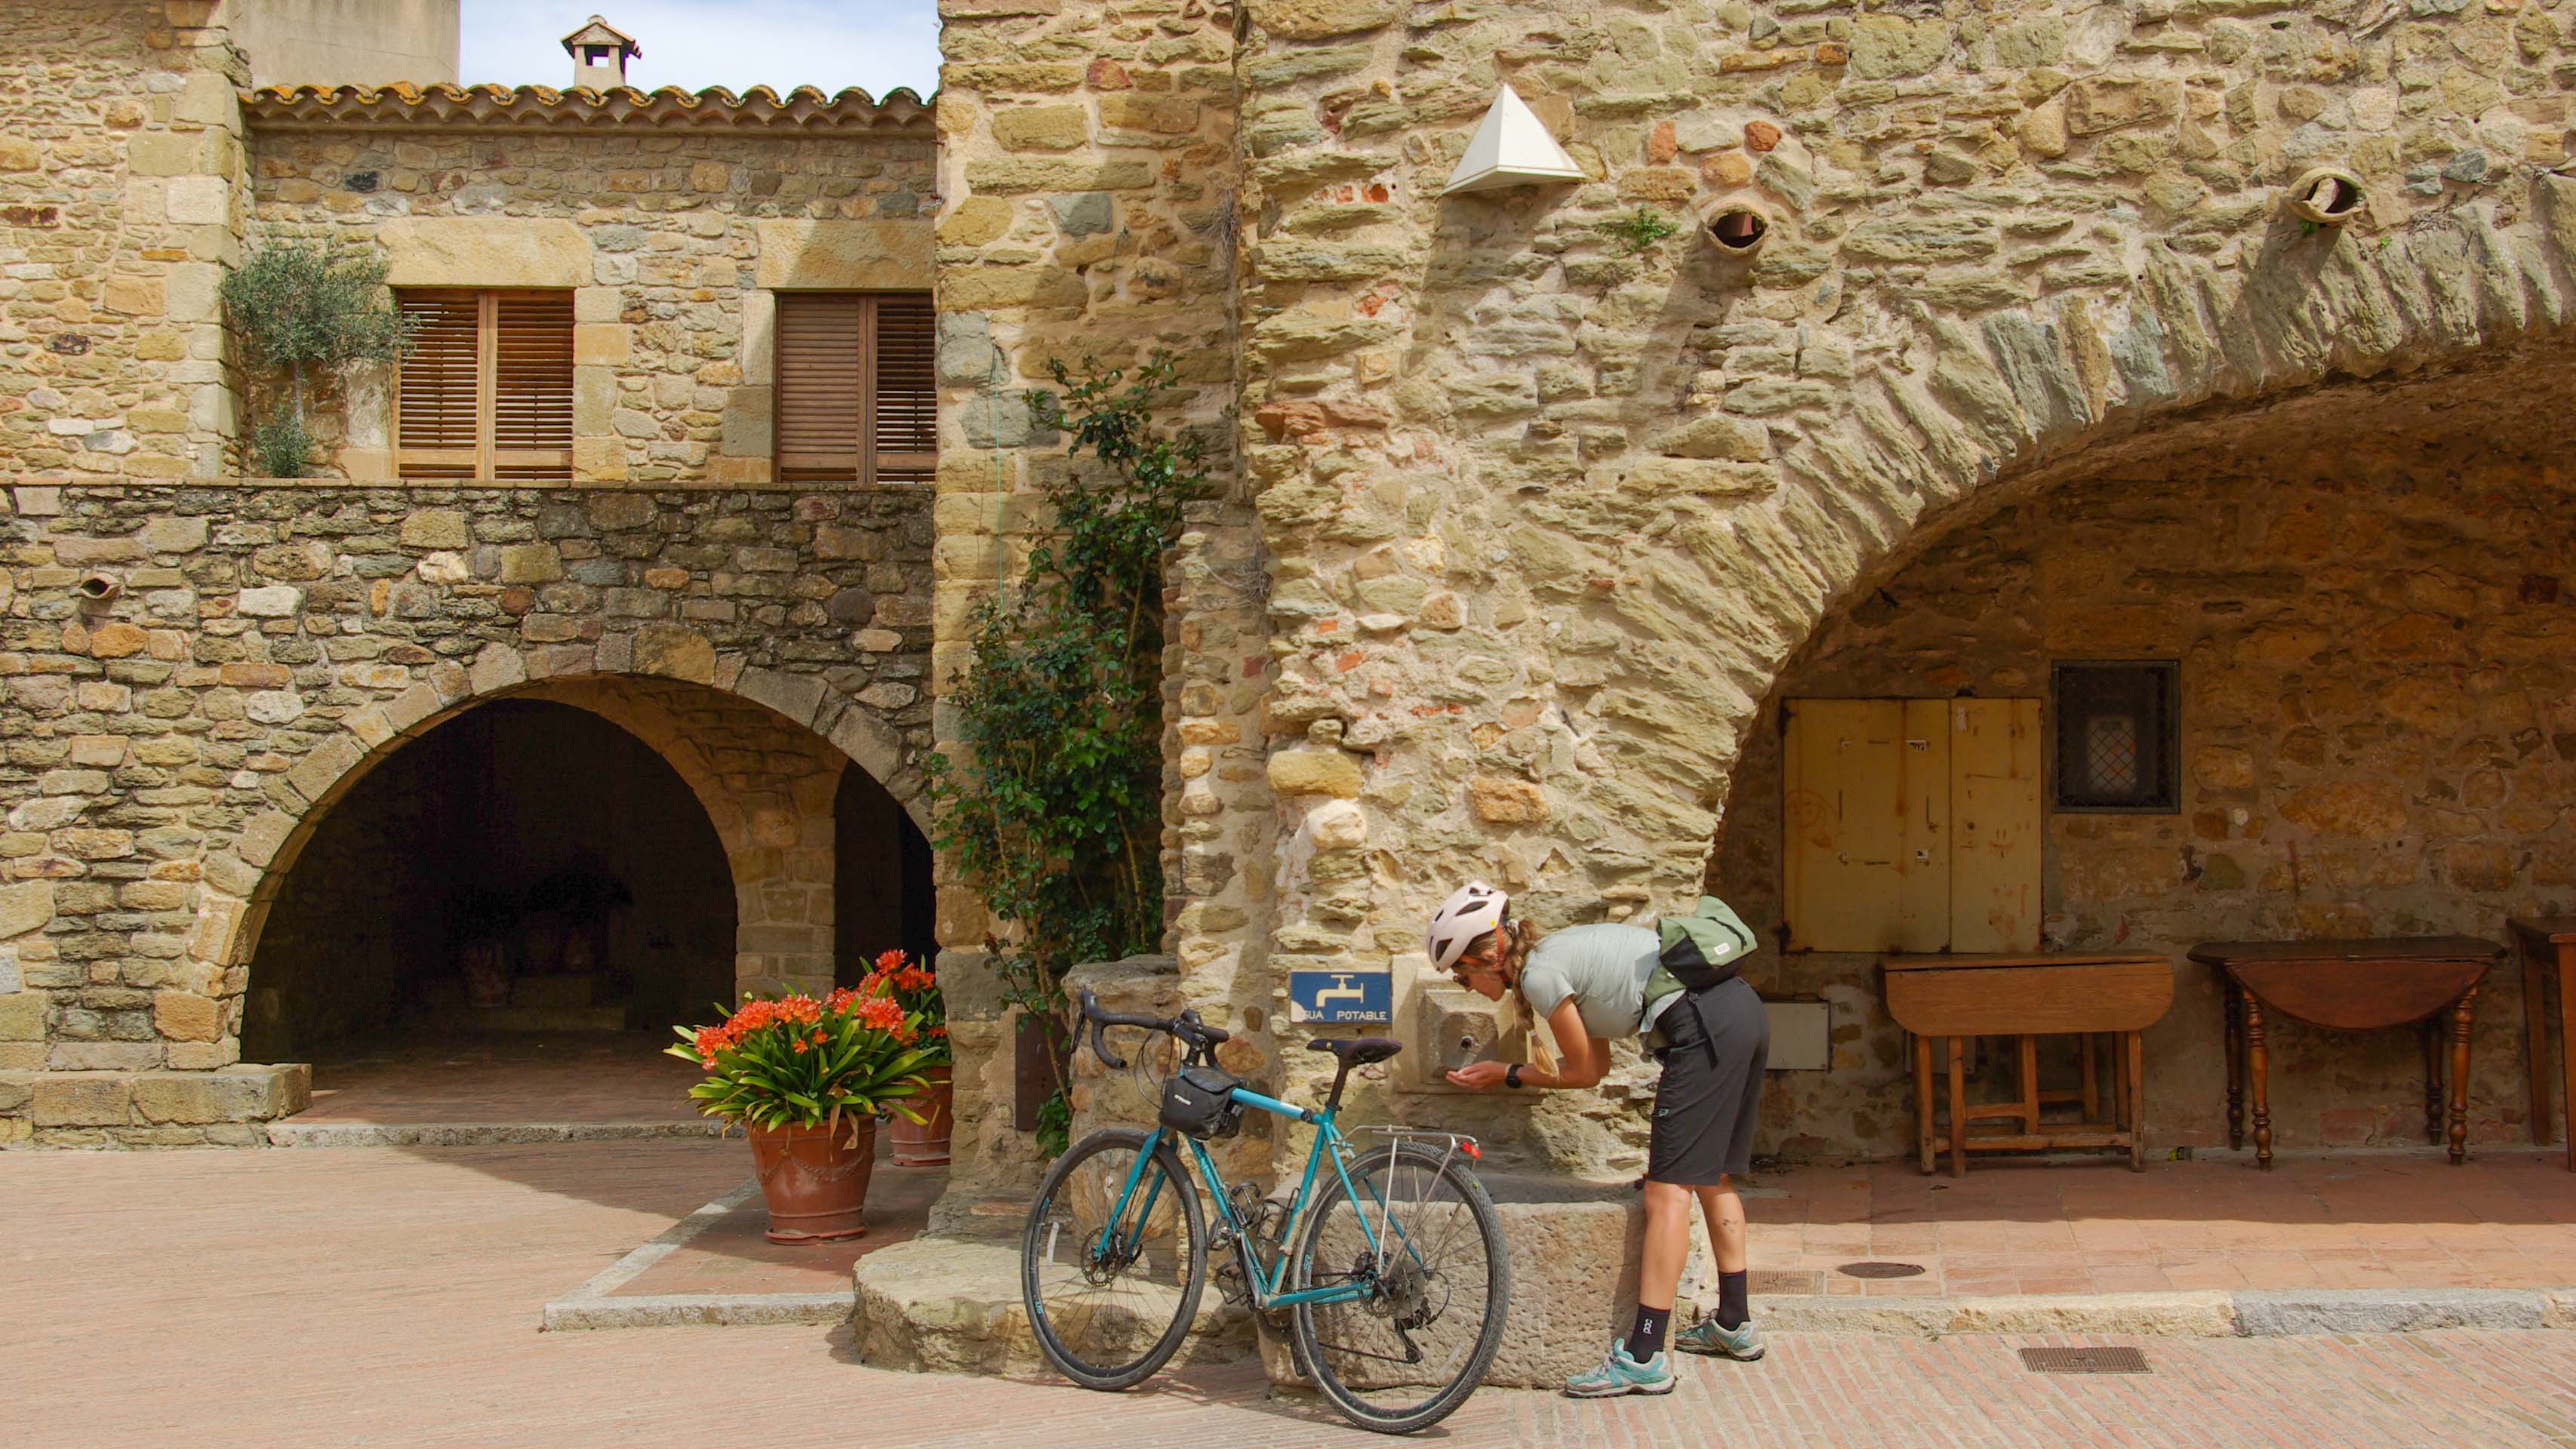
x=2118 y=735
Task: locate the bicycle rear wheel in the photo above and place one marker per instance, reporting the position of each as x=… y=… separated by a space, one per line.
x=1111 y=1300
x=1423 y=1239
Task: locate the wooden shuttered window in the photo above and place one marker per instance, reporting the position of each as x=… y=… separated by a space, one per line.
x=858 y=398
x=486 y=391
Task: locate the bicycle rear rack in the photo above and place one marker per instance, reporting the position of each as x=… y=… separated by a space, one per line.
x=1396 y=1135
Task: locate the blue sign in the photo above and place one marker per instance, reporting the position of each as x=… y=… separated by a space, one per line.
x=1330 y=997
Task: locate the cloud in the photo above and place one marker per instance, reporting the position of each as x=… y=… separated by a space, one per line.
x=876 y=45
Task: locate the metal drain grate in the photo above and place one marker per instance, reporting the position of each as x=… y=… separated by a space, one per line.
x=1880 y=1270
x=1785 y=1281
x=2084 y=1361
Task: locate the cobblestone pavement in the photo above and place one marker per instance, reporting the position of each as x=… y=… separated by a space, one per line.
x=388 y=1296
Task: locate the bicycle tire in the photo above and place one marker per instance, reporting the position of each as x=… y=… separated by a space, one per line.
x=1039 y=1250
x=1323 y=1361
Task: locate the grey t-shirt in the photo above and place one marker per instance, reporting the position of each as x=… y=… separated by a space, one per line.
x=1604 y=968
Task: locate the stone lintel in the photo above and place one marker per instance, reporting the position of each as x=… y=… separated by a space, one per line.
x=485 y=251
x=844 y=255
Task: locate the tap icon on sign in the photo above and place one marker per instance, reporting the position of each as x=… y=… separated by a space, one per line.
x=1340 y=990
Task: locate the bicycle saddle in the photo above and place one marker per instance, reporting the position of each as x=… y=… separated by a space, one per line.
x=1359 y=1051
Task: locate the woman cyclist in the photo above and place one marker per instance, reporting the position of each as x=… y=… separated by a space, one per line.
x=1590 y=983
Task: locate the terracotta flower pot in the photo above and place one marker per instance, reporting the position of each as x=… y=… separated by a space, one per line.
x=923 y=1143
x=815 y=1178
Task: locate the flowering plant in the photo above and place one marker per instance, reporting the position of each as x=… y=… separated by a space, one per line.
x=793 y=1061
x=916 y=990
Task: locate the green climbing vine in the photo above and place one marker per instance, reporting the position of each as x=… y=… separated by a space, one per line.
x=1051 y=804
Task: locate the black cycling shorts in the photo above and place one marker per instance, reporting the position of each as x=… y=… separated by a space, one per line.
x=1717 y=1043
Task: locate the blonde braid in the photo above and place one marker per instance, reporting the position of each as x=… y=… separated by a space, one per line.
x=1518 y=939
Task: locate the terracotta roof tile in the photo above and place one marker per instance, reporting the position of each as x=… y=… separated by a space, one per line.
x=502 y=108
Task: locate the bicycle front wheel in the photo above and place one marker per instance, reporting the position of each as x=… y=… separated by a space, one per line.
x=1113 y=1259
x=1422 y=1240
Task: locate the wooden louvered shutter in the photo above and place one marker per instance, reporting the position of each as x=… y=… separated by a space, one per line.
x=436 y=387
x=486 y=391
x=905 y=439
x=821 y=358
x=532 y=385
x=857 y=388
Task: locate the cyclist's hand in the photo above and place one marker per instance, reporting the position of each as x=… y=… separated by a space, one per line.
x=1479 y=1076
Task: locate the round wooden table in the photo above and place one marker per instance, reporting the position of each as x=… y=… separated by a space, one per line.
x=2350 y=985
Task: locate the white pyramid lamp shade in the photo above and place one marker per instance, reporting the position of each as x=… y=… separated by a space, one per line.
x=1511 y=148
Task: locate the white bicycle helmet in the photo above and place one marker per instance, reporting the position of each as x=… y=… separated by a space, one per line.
x=1473 y=910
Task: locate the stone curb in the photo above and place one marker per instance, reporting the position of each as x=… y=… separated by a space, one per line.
x=2213 y=1313
x=478 y=1134
x=663 y=1310
x=2267 y=1313
x=590 y=1306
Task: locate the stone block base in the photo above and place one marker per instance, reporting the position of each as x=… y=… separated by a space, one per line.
x=151 y=1108
x=943 y=1305
x=953 y=1306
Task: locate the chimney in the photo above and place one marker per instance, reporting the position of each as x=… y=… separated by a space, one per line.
x=599 y=53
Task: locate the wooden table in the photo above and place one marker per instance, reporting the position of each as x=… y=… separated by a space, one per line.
x=2361 y=985
x=2548 y=948
x=1956 y=997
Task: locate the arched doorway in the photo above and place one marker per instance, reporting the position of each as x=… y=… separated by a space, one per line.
x=881 y=892
x=526 y=882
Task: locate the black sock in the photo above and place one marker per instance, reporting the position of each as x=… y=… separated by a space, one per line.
x=1731 y=1309
x=1646 y=1339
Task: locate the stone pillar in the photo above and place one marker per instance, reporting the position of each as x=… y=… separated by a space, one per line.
x=1088 y=176
x=122 y=183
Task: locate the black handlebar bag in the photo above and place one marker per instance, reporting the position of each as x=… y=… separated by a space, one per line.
x=1200 y=1101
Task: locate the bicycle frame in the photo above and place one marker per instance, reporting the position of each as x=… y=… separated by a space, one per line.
x=1328 y=1142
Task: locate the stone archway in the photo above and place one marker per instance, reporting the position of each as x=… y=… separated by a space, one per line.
x=1666 y=631
x=764 y=775
x=2359 y=588
x=525 y=882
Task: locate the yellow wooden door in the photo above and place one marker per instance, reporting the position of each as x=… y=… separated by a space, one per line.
x=1995 y=840
x=1865 y=786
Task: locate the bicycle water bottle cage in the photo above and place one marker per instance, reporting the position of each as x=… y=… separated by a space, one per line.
x=1200 y=1101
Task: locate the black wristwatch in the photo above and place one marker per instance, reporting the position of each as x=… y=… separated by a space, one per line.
x=1512 y=1075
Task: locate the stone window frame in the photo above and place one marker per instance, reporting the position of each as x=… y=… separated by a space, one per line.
x=487 y=459
x=867 y=467
x=2160 y=789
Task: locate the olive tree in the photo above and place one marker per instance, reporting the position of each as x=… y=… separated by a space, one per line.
x=309 y=309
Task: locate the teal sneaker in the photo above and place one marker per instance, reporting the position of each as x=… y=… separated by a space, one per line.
x=1620 y=1374
x=1744 y=1341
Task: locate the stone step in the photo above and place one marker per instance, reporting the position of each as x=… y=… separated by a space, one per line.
x=292 y=1133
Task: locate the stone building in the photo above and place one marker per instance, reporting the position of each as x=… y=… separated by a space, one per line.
x=1531 y=529
x=1533 y=533
x=640 y=580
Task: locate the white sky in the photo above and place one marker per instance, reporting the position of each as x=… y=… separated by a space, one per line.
x=876 y=45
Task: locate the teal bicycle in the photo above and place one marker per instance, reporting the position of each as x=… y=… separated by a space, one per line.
x=1388 y=1274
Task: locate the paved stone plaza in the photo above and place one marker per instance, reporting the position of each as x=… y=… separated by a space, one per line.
x=391 y=1297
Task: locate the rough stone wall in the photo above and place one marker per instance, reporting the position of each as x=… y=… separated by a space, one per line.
x=169 y=751
x=1545 y=519
x=2376 y=703
x=1089 y=210
x=675 y=244
x=120 y=161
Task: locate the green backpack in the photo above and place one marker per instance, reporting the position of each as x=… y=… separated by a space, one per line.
x=1700 y=950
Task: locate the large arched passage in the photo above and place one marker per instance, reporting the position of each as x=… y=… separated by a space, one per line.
x=525 y=866
x=2363 y=595
x=554 y=867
